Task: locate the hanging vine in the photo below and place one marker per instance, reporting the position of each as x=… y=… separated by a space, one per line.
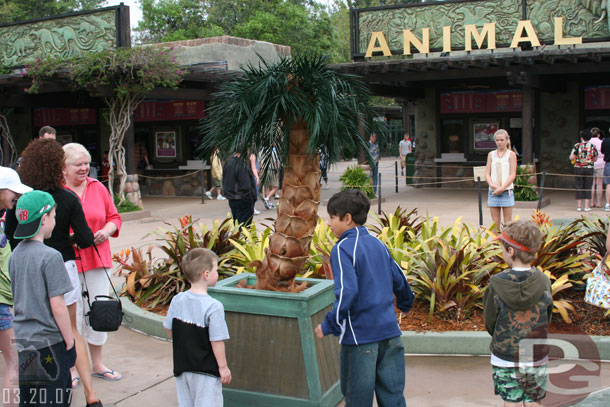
x=123 y=77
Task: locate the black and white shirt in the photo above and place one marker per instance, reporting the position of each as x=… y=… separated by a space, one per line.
x=195 y=321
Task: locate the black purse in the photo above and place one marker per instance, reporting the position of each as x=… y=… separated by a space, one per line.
x=105 y=312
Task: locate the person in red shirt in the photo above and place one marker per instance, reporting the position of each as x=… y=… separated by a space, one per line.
x=104 y=221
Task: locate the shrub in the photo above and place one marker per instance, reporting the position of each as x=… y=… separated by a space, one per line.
x=126 y=205
x=524 y=191
x=355 y=178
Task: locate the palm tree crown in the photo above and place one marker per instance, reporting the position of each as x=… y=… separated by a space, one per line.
x=295 y=106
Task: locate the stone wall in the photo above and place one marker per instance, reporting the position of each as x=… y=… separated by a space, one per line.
x=559 y=126
x=425 y=131
x=189 y=185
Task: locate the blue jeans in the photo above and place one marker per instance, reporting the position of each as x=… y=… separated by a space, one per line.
x=375 y=176
x=374 y=368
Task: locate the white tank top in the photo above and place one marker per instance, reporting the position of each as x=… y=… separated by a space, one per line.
x=500 y=168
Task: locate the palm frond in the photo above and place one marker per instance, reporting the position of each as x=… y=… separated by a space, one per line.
x=257 y=110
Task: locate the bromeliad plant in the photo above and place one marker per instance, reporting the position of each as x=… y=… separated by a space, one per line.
x=155 y=282
x=448 y=269
x=295 y=106
x=319 y=254
x=559 y=254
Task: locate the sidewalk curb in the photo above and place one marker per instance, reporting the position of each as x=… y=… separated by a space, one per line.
x=469 y=343
x=142 y=321
x=129 y=216
x=426 y=343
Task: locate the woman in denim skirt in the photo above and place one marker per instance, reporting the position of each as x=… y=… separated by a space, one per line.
x=500 y=172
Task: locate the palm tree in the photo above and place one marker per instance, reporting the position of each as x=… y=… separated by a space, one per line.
x=295 y=106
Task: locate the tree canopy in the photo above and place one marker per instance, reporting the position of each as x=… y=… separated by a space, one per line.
x=19 y=10
x=305 y=26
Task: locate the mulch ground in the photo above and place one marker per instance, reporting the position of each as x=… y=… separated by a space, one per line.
x=587 y=319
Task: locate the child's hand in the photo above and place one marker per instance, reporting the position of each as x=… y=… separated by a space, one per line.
x=318 y=331
x=225 y=375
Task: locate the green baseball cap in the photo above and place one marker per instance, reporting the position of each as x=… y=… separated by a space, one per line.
x=30 y=208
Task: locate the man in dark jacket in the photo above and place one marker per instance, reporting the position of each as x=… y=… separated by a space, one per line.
x=240 y=189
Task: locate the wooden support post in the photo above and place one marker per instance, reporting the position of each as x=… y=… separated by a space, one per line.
x=480 y=201
x=527 y=114
x=362 y=156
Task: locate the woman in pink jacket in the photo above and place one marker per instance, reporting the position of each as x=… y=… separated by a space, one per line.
x=104 y=220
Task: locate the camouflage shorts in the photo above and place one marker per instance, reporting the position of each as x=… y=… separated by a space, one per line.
x=520 y=384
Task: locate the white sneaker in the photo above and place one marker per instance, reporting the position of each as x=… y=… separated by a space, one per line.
x=208 y=194
x=277 y=196
x=257 y=212
x=607 y=207
x=221 y=198
x=326 y=187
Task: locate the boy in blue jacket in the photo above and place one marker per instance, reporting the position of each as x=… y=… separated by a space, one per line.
x=366 y=280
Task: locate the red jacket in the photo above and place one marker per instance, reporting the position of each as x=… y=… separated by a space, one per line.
x=99 y=209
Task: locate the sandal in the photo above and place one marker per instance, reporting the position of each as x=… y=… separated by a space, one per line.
x=96 y=404
x=102 y=375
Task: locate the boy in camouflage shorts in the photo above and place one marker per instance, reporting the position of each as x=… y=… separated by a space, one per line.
x=518 y=305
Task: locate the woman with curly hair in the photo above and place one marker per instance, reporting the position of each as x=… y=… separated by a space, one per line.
x=43 y=166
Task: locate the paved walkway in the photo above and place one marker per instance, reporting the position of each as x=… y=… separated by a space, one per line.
x=432 y=381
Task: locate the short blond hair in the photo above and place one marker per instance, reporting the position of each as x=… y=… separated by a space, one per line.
x=196 y=262
x=74 y=151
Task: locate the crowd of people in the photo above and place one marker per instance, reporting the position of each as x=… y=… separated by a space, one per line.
x=591 y=160
x=54 y=245
x=57 y=222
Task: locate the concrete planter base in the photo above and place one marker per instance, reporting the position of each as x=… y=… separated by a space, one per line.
x=273 y=354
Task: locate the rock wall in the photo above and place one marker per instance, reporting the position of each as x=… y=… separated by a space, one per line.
x=189 y=185
x=425 y=131
x=559 y=126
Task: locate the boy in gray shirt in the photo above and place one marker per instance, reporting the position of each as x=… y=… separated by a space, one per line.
x=195 y=321
x=43 y=333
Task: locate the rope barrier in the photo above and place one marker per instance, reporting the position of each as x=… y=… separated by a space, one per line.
x=170 y=177
x=116 y=176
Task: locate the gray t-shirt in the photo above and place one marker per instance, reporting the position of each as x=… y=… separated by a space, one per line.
x=200 y=310
x=405 y=147
x=37 y=273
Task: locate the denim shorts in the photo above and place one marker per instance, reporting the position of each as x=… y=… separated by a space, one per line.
x=504 y=200
x=6 y=317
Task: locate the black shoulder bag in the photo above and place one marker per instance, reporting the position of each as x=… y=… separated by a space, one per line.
x=106 y=312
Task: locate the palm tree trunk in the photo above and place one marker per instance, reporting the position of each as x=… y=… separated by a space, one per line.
x=296 y=219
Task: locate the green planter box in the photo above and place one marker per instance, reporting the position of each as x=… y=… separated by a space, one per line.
x=274 y=357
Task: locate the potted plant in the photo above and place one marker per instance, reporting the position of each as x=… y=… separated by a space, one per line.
x=295 y=106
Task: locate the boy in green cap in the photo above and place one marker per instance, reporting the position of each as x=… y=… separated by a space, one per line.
x=43 y=333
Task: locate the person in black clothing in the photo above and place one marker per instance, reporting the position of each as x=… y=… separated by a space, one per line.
x=240 y=189
x=606 y=152
x=42 y=165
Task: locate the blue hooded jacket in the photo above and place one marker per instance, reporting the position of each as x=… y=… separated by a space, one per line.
x=366 y=280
